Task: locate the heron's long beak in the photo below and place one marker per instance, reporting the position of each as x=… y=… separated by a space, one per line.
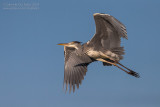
x=64 y=44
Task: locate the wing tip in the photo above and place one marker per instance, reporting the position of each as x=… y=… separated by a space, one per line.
x=100 y=14
x=126 y=37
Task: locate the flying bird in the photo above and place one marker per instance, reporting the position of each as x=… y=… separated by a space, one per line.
x=104 y=46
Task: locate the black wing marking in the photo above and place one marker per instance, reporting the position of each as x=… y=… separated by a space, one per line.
x=75 y=68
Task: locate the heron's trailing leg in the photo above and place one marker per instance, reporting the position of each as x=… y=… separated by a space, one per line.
x=124 y=66
x=115 y=64
x=131 y=71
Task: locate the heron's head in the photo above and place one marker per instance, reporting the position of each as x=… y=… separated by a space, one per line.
x=73 y=44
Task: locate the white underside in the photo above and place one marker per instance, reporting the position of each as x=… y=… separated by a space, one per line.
x=98 y=54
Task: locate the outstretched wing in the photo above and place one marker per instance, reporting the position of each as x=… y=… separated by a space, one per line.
x=75 y=68
x=108 y=33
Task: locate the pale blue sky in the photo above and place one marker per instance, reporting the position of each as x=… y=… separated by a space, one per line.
x=32 y=65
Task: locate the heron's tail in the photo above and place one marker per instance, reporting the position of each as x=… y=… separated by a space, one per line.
x=119 y=51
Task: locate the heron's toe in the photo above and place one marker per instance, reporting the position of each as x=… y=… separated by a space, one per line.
x=135 y=74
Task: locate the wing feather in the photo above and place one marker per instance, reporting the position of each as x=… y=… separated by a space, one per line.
x=108 y=34
x=75 y=68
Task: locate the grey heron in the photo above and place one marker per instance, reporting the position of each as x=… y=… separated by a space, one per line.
x=104 y=47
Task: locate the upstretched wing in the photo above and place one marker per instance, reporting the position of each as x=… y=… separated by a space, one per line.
x=108 y=33
x=75 y=68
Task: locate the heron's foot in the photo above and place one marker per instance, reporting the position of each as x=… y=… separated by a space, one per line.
x=135 y=74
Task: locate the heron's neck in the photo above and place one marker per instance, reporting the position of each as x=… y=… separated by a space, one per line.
x=79 y=46
x=79 y=49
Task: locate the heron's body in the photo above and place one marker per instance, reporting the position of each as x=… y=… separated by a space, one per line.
x=104 y=47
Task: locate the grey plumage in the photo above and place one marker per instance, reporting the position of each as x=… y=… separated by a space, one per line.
x=75 y=67
x=104 y=46
x=108 y=32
